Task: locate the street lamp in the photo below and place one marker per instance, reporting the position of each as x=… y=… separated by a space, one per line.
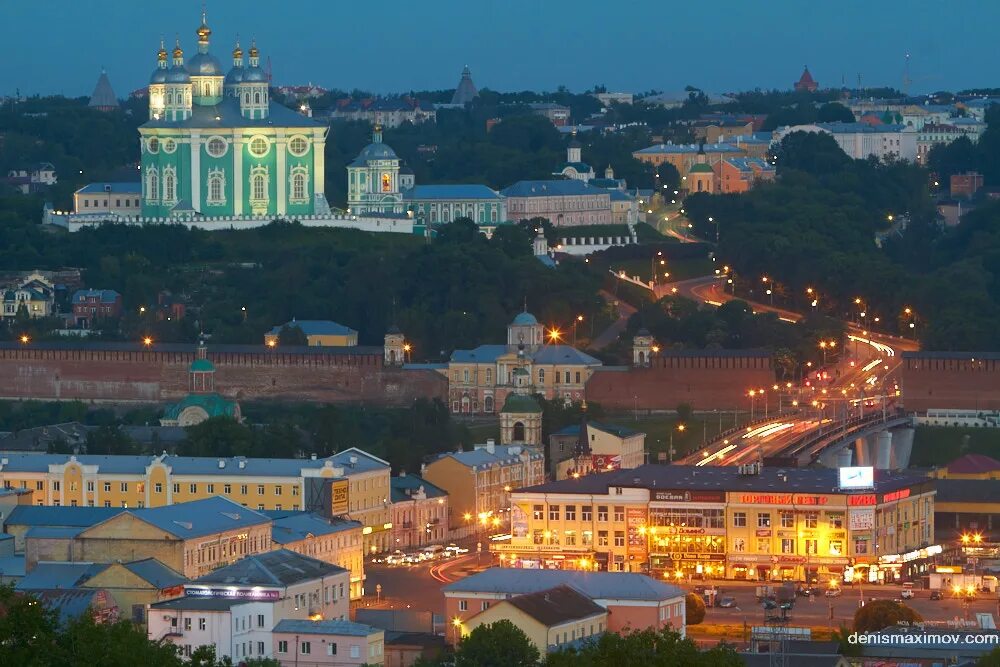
x=554 y=335
x=25 y=339
x=576 y=321
x=751 y=394
x=147 y=341
x=680 y=429
x=406 y=350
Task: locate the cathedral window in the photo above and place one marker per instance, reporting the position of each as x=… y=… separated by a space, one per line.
x=216 y=146
x=169 y=146
x=298 y=146
x=152 y=185
x=169 y=185
x=256 y=97
x=258 y=188
x=259 y=146
x=493 y=214
x=541 y=376
x=216 y=187
x=153 y=145
x=299 y=179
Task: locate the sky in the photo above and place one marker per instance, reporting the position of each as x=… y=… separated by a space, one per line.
x=60 y=46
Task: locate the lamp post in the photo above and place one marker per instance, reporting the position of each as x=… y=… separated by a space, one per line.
x=680 y=429
x=751 y=394
x=576 y=321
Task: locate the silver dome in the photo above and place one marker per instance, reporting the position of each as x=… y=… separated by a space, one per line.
x=377 y=152
x=178 y=75
x=235 y=76
x=204 y=64
x=255 y=75
x=158 y=76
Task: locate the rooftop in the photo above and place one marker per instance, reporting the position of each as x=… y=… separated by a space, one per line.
x=723 y=478
x=125 y=188
x=326 y=627
x=595 y=585
x=103 y=295
x=279 y=568
x=481 y=456
x=972 y=464
x=227 y=114
x=46 y=576
x=405 y=485
x=557 y=605
x=458 y=191
x=688 y=148
x=188 y=348
x=966 y=491
x=620 y=431
x=552 y=188
x=517 y=403
x=317 y=328
x=296 y=526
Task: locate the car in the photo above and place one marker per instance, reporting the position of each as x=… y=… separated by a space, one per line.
x=769 y=604
x=935 y=595
x=807 y=591
x=907 y=594
x=833 y=592
x=727 y=602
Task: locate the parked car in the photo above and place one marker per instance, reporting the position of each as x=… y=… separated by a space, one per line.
x=807 y=591
x=833 y=592
x=935 y=595
x=727 y=602
x=907 y=594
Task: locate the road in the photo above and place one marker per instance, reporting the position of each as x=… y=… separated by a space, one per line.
x=615 y=329
x=816 y=611
x=418 y=587
x=856 y=380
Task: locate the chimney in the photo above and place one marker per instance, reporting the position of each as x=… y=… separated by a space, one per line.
x=312 y=457
x=222 y=464
x=243 y=464
x=402 y=472
x=491 y=446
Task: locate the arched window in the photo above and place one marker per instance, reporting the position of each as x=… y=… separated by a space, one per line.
x=170 y=97
x=169 y=185
x=541 y=376
x=216 y=187
x=152 y=184
x=259 y=186
x=299 y=185
x=488 y=404
x=518 y=432
x=493 y=215
x=256 y=97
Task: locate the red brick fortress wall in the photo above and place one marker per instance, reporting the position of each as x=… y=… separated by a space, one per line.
x=128 y=373
x=956 y=380
x=704 y=380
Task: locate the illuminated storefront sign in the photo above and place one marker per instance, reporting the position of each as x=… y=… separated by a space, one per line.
x=861 y=519
x=896 y=495
x=862 y=500
x=635 y=518
x=690 y=496
x=233 y=593
x=782 y=499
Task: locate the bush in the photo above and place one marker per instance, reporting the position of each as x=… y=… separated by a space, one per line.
x=694 y=609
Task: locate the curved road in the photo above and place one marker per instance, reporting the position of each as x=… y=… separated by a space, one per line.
x=861 y=378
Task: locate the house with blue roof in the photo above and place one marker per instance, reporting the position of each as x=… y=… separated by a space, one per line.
x=337 y=540
x=862 y=140
x=563 y=203
x=204 y=402
x=446 y=203
x=574 y=167
x=95 y=304
x=317 y=332
x=99 y=199
x=190 y=538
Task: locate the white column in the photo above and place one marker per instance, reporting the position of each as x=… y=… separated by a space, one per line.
x=282 y=175
x=319 y=171
x=196 y=171
x=238 y=177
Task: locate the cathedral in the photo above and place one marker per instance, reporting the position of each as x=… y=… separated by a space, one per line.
x=216 y=145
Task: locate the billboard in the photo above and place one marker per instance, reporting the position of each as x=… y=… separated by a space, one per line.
x=635 y=519
x=861 y=519
x=857 y=477
x=339 y=495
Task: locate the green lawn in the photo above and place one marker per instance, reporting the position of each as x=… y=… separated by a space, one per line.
x=658 y=428
x=937 y=445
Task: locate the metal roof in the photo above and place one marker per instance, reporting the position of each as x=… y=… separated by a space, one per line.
x=156 y=573
x=125 y=187
x=104 y=295
x=966 y=490
x=317 y=328
x=458 y=191
x=620 y=431
x=297 y=526
x=201 y=517
x=481 y=456
x=552 y=188
x=557 y=605
x=59 y=575
x=190 y=348
x=326 y=627
x=722 y=478
x=80 y=517
x=279 y=568
x=227 y=114
x=595 y=585
x=401 y=484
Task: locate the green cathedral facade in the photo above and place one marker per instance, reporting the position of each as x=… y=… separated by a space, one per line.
x=216 y=146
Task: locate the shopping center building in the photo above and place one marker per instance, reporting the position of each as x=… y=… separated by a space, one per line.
x=738 y=522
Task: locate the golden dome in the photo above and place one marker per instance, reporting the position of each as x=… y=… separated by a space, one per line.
x=162 y=53
x=253 y=49
x=203 y=30
x=178 y=51
x=237 y=52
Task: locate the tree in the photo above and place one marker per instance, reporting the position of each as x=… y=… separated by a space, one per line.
x=991 y=659
x=110 y=440
x=684 y=412
x=878 y=614
x=216 y=436
x=694 y=609
x=649 y=648
x=291 y=335
x=87 y=642
x=500 y=644
x=27 y=628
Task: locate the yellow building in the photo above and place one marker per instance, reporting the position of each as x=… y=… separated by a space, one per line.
x=336 y=541
x=193 y=539
x=479 y=483
x=355 y=483
x=736 y=522
x=532 y=360
x=318 y=332
x=553 y=619
x=604 y=447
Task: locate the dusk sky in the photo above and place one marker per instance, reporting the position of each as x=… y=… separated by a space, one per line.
x=59 y=46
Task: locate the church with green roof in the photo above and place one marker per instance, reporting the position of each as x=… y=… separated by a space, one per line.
x=203 y=402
